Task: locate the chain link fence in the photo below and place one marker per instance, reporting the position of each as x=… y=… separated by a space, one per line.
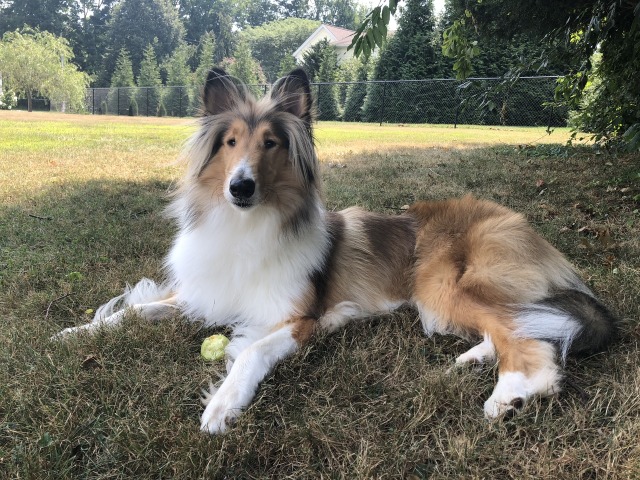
x=476 y=101
x=145 y=101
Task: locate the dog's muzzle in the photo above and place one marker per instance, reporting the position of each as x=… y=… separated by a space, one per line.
x=242 y=190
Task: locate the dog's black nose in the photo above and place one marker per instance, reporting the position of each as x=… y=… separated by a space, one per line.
x=242 y=188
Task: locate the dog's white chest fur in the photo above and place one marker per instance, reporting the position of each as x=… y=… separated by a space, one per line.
x=237 y=267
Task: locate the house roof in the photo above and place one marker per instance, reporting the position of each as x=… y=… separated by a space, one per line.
x=342 y=36
x=338 y=36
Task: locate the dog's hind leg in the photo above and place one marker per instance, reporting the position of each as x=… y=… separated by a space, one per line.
x=527 y=367
x=251 y=366
x=340 y=315
x=146 y=299
x=484 y=352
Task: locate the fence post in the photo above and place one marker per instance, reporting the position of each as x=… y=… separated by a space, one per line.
x=550 y=109
x=384 y=94
x=455 y=99
x=93 y=101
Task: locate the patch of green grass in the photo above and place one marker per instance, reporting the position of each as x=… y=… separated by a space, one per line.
x=83 y=216
x=337 y=138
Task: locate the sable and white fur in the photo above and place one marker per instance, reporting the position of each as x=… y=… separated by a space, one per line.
x=257 y=251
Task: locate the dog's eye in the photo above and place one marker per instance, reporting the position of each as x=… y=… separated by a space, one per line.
x=231 y=142
x=269 y=144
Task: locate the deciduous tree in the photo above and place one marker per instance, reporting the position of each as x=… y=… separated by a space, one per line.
x=272 y=42
x=39 y=62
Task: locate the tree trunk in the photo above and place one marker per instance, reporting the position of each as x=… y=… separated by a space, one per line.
x=29 y=101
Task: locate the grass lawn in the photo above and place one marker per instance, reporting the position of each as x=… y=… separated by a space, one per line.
x=81 y=201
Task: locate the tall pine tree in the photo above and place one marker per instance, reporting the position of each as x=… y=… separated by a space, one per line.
x=123 y=92
x=246 y=68
x=357 y=93
x=150 y=84
x=179 y=76
x=327 y=94
x=206 y=55
x=409 y=55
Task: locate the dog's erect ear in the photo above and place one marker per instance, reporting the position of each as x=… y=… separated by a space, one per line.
x=293 y=94
x=220 y=92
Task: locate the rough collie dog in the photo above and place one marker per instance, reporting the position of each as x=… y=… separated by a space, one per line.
x=257 y=251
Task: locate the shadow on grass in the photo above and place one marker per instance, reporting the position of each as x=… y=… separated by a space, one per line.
x=66 y=240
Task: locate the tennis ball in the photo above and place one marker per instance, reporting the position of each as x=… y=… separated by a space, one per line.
x=213 y=347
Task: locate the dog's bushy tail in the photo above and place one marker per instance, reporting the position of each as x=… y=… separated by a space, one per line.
x=573 y=319
x=145 y=291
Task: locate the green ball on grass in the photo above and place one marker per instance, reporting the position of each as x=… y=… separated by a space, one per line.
x=213 y=347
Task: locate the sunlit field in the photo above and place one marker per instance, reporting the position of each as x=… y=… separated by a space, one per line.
x=81 y=215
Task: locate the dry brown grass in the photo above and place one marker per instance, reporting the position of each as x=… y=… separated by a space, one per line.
x=83 y=215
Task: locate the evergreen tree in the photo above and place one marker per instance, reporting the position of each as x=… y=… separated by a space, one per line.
x=221 y=17
x=150 y=83
x=245 y=67
x=123 y=92
x=357 y=93
x=206 y=61
x=149 y=70
x=137 y=23
x=346 y=72
x=312 y=59
x=179 y=79
x=409 y=55
x=123 y=73
x=327 y=95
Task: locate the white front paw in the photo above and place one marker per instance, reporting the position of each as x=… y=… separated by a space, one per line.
x=222 y=409
x=65 y=333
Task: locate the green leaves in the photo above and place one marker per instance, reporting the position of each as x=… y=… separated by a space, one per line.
x=35 y=61
x=372 y=33
x=457 y=44
x=632 y=137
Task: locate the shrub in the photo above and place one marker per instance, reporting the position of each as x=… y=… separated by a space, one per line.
x=133 y=108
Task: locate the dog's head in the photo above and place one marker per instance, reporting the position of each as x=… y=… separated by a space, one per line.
x=252 y=153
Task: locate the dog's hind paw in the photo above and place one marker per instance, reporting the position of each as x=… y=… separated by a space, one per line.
x=482 y=353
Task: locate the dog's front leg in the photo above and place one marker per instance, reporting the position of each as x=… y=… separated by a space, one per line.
x=152 y=311
x=249 y=369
